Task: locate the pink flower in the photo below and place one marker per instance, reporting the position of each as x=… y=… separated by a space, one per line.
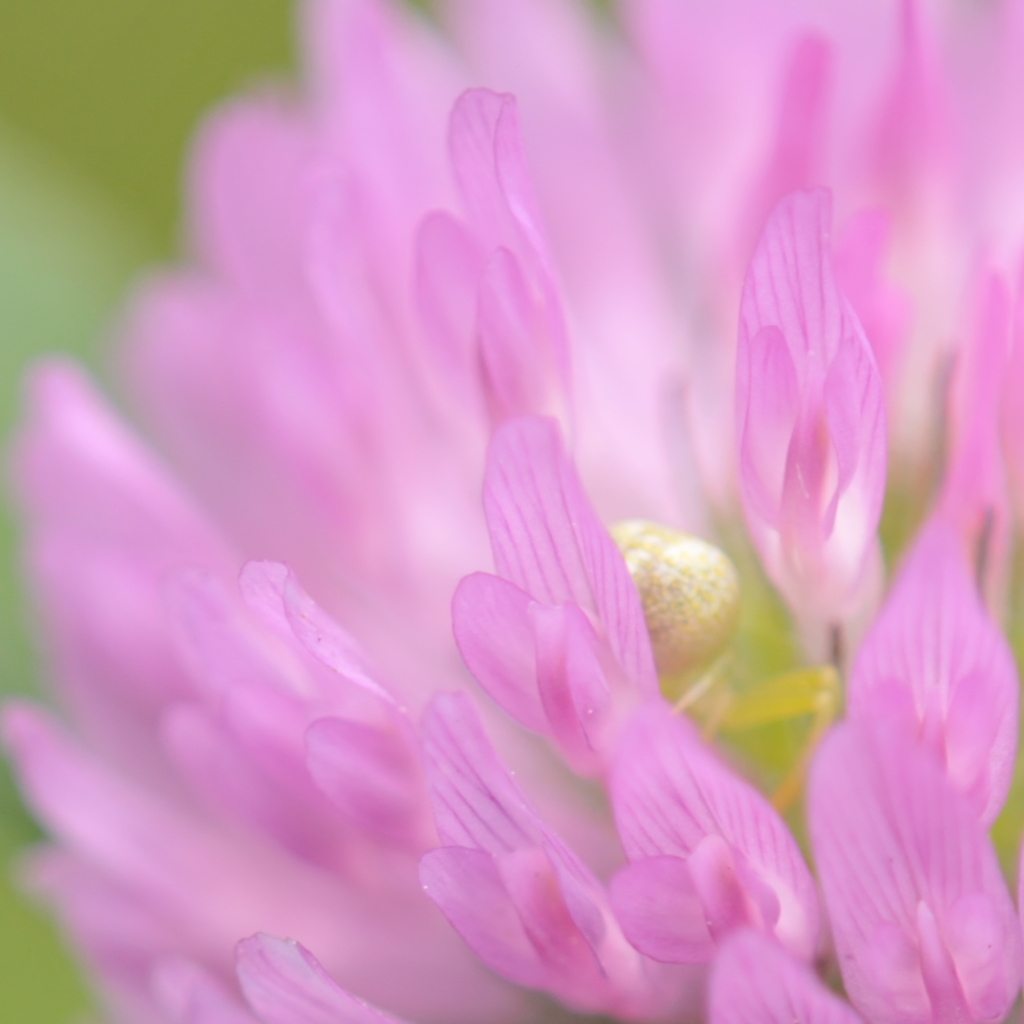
x=364 y=714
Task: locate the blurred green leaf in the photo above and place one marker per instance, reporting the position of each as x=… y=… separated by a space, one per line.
x=115 y=88
x=64 y=261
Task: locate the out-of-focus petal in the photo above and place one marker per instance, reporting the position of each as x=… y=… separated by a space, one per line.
x=286 y=985
x=191 y=995
x=754 y=982
x=911 y=881
x=935 y=642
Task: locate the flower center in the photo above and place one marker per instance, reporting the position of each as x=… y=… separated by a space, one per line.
x=690 y=593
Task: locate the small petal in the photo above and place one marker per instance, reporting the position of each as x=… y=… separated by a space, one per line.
x=661 y=911
x=673 y=798
x=522 y=900
x=909 y=876
x=935 y=642
x=190 y=995
x=755 y=982
x=550 y=543
x=811 y=428
x=285 y=985
x=491 y=622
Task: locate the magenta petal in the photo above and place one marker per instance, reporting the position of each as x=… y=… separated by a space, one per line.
x=448 y=265
x=571 y=681
x=285 y=985
x=672 y=796
x=371 y=775
x=660 y=911
x=476 y=803
x=467 y=886
x=754 y=981
x=189 y=995
x=908 y=876
x=549 y=542
x=769 y=422
x=935 y=640
x=519 y=896
x=490 y=619
x=884 y=310
x=811 y=428
x=855 y=414
x=518 y=344
x=490 y=168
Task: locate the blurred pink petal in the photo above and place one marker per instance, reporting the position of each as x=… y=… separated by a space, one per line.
x=755 y=982
x=285 y=985
x=936 y=670
x=922 y=921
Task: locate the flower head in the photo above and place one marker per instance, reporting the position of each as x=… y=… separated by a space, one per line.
x=463 y=640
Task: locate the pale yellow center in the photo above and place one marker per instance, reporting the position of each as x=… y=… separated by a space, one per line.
x=690 y=593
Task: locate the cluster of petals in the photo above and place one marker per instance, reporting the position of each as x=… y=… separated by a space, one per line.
x=357 y=715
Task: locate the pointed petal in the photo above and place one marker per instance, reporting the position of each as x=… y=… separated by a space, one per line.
x=490 y=168
x=285 y=985
x=670 y=793
x=755 y=982
x=370 y=774
x=935 y=641
x=491 y=623
x=661 y=912
x=768 y=422
x=571 y=681
x=468 y=887
x=449 y=262
x=899 y=852
x=974 y=494
x=518 y=343
x=549 y=542
x=190 y=995
x=476 y=803
x=790 y=285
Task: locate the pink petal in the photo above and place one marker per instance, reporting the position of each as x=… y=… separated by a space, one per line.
x=491 y=170
x=755 y=982
x=549 y=542
x=768 y=423
x=799 y=143
x=449 y=263
x=790 y=285
x=974 y=494
x=516 y=893
x=812 y=491
x=467 y=885
x=247 y=210
x=671 y=795
x=661 y=912
x=861 y=254
x=491 y=622
x=518 y=342
x=908 y=876
x=190 y=995
x=285 y=985
x=935 y=640
x=572 y=683
x=371 y=774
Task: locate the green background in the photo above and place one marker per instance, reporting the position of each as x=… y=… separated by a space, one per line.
x=98 y=100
